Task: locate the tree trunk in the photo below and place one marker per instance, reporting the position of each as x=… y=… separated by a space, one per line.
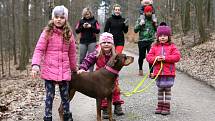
x=186 y=18
x=199 y=14
x=25 y=38
x=9 y=37
x=1 y=48
x=14 y=33
x=208 y=12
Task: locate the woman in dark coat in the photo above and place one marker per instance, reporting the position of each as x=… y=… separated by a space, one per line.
x=117 y=25
x=88 y=27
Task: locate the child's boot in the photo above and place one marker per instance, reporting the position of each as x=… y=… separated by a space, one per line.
x=47 y=118
x=67 y=117
x=166 y=109
x=118 y=110
x=105 y=113
x=159 y=108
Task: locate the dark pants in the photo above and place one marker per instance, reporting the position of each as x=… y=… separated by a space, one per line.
x=144 y=46
x=50 y=93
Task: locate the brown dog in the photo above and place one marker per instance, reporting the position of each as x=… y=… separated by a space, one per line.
x=99 y=84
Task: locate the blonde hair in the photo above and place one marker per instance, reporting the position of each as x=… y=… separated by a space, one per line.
x=116 y=5
x=67 y=31
x=85 y=11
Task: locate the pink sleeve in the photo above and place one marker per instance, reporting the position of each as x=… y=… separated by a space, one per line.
x=175 y=55
x=97 y=25
x=40 y=49
x=72 y=53
x=150 y=57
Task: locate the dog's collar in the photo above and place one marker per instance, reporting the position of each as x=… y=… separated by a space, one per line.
x=111 y=70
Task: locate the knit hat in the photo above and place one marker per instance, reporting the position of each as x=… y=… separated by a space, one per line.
x=147 y=8
x=60 y=11
x=146 y=2
x=106 y=37
x=163 y=30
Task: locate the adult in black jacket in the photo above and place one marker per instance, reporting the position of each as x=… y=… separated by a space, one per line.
x=88 y=27
x=117 y=25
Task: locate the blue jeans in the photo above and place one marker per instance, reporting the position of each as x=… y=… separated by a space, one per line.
x=50 y=93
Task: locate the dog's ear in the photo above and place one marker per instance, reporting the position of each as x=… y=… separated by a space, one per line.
x=129 y=60
x=116 y=58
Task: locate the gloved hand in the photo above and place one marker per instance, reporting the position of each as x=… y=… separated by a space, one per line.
x=35 y=71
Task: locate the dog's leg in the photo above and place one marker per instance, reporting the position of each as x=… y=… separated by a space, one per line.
x=109 y=100
x=98 y=108
x=60 y=109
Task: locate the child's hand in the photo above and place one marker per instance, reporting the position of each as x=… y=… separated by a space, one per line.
x=160 y=58
x=142 y=22
x=80 y=71
x=35 y=71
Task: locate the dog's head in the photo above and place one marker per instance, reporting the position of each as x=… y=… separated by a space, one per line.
x=119 y=60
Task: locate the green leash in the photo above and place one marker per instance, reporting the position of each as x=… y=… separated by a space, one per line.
x=135 y=90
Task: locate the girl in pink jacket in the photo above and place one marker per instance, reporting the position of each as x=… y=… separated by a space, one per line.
x=55 y=58
x=164 y=51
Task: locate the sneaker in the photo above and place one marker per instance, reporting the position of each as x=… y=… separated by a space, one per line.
x=118 y=110
x=105 y=114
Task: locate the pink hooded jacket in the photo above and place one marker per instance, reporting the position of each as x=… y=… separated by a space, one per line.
x=56 y=58
x=171 y=53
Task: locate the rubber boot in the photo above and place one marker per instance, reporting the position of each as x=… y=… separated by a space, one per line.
x=166 y=109
x=159 y=108
x=118 y=110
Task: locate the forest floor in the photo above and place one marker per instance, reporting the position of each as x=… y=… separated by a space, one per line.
x=20 y=95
